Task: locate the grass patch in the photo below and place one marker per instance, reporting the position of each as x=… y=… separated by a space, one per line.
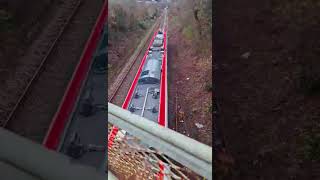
x=209 y=87
x=312 y=147
x=188 y=32
x=6 y=21
x=142 y=25
x=175 y=20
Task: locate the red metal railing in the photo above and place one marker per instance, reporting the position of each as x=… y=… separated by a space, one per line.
x=163 y=89
x=69 y=99
x=162 y=104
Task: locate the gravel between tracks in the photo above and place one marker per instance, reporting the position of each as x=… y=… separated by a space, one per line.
x=33 y=117
x=15 y=80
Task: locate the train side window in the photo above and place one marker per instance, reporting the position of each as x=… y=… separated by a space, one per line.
x=145 y=73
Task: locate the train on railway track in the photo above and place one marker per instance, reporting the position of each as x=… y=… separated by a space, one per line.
x=145 y=100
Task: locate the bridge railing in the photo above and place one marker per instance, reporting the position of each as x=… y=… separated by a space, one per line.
x=142 y=149
x=21 y=158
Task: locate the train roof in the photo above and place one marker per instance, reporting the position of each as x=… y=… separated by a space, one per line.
x=145 y=101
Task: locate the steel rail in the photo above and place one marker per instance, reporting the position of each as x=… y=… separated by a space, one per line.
x=125 y=104
x=40 y=67
x=118 y=85
x=66 y=106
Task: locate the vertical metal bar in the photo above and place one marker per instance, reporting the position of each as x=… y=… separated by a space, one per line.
x=145 y=101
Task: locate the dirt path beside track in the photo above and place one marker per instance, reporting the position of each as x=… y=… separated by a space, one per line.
x=266 y=81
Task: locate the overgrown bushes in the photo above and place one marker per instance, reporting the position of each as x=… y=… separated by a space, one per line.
x=127 y=15
x=5 y=21
x=195 y=19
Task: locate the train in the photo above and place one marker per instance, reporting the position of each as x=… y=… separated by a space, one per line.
x=145 y=100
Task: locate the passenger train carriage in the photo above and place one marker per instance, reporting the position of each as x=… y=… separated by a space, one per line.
x=145 y=101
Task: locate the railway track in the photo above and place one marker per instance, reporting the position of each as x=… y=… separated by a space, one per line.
x=32 y=114
x=122 y=84
x=45 y=48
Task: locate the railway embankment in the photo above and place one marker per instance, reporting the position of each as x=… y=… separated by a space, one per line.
x=190 y=70
x=268 y=86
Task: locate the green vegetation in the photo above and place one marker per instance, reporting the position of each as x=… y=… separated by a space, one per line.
x=174 y=20
x=203 y=15
x=127 y=15
x=188 y=32
x=195 y=19
x=302 y=17
x=301 y=20
x=312 y=147
x=120 y=16
x=309 y=81
x=209 y=87
x=6 y=21
x=142 y=25
x=298 y=12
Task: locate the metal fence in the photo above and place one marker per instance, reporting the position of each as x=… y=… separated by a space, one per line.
x=142 y=149
x=21 y=158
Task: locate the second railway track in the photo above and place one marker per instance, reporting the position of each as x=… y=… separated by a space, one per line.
x=32 y=114
x=118 y=91
x=43 y=52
